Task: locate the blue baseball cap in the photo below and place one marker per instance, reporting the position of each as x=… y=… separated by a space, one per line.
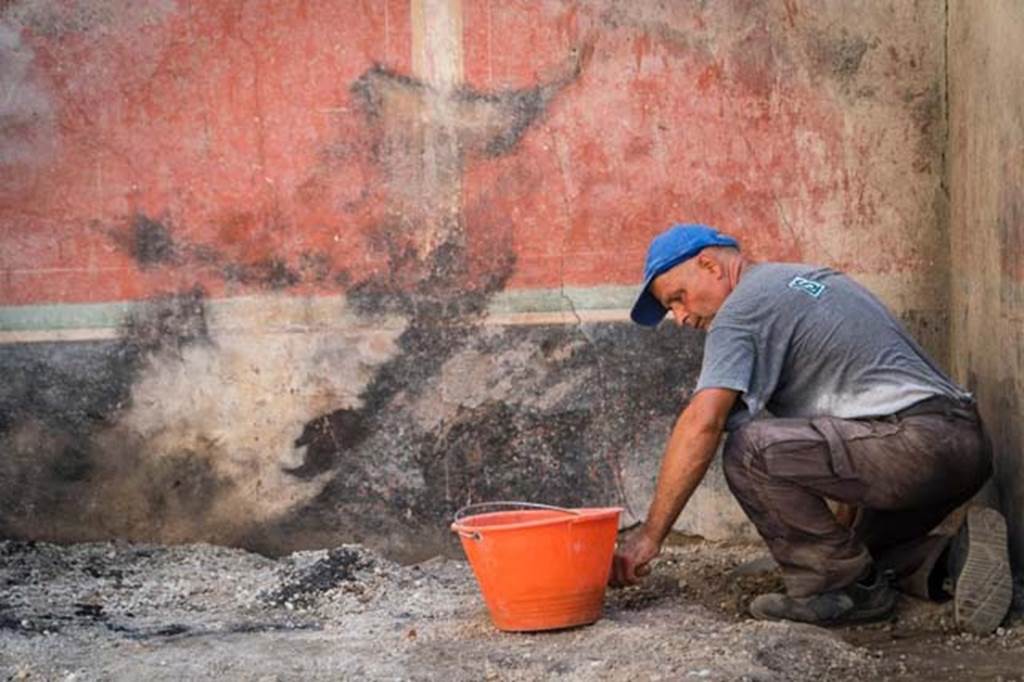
x=670 y=248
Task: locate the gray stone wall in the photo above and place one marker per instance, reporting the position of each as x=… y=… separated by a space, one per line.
x=986 y=180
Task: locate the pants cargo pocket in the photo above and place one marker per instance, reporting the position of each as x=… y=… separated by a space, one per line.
x=841 y=435
x=791 y=449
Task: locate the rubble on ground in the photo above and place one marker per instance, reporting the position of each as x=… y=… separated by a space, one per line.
x=118 y=610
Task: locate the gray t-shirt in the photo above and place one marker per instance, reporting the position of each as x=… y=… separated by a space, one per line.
x=806 y=341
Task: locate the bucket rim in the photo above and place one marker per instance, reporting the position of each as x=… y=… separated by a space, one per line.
x=583 y=515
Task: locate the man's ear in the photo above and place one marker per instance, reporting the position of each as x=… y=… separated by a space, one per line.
x=706 y=261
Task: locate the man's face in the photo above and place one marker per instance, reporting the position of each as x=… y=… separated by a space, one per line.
x=693 y=291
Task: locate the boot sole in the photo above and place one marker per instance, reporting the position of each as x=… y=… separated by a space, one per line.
x=984 y=588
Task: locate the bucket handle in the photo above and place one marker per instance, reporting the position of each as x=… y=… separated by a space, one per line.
x=476 y=506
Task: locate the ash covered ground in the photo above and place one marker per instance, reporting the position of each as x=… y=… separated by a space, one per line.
x=124 y=611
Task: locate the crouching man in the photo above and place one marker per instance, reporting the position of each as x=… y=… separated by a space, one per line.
x=824 y=397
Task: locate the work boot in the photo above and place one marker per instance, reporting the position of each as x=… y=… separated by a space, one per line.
x=979 y=567
x=868 y=599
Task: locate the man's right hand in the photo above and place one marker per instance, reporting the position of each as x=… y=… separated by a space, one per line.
x=632 y=557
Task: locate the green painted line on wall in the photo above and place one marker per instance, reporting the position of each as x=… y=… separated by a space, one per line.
x=296 y=311
x=65 y=316
x=556 y=300
x=282 y=312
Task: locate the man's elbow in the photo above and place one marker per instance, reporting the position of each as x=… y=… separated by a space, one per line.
x=702 y=423
x=708 y=411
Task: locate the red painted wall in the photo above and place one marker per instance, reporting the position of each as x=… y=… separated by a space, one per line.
x=235 y=130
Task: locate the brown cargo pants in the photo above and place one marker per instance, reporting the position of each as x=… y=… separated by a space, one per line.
x=905 y=473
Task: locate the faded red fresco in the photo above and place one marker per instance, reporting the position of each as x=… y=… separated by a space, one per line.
x=231 y=136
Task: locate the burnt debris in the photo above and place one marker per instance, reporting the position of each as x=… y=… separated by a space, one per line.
x=304 y=586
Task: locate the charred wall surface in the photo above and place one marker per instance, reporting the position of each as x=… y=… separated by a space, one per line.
x=286 y=274
x=986 y=175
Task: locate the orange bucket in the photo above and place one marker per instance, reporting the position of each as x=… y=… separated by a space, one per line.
x=540 y=567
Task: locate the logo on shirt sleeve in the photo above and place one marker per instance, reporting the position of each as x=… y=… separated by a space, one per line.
x=808 y=286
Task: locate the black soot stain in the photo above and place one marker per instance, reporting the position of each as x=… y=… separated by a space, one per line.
x=63 y=393
x=371 y=88
x=444 y=316
x=325 y=437
x=486 y=452
x=518 y=108
x=486 y=123
x=352 y=445
x=151 y=243
x=272 y=273
x=171 y=321
x=56 y=476
x=73 y=464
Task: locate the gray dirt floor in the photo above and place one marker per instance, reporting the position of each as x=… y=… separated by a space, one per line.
x=127 y=611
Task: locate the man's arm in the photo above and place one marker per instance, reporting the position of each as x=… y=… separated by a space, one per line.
x=689 y=452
